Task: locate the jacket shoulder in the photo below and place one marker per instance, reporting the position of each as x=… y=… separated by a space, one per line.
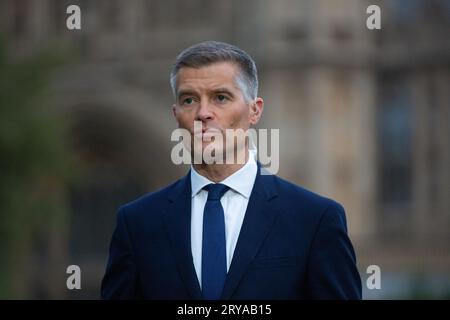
x=301 y=197
x=149 y=201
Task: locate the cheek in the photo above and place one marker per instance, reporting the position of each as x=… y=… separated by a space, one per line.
x=241 y=118
x=184 y=119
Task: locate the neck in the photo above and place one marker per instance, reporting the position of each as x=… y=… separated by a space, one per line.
x=219 y=172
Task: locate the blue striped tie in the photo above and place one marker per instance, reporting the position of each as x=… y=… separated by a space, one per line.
x=214 y=255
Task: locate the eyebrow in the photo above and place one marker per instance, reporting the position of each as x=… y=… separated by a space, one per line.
x=223 y=90
x=217 y=90
x=182 y=93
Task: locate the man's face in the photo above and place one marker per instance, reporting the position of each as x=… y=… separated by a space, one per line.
x=211 y=95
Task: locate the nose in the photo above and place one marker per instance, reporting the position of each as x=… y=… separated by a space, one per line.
x=204 y=112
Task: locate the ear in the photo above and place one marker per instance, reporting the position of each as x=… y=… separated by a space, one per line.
x=256 y=109
x=174 y=111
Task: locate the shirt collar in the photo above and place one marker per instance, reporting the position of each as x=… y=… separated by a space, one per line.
x=241 y=181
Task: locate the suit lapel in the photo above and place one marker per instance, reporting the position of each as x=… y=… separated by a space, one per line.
x=178 y=225
x=258 y=220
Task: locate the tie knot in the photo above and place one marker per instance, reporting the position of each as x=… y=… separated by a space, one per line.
x=216 y=190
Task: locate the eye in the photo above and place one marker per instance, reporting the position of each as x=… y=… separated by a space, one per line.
x=188 y=101
x=221 y=98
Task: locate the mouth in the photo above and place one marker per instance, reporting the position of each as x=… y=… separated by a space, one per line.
x=210 y=130
x=207 y=133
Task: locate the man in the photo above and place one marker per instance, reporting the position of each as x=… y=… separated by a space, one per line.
x=226 y=230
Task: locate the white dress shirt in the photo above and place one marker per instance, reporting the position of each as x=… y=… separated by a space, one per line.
x=234 y=203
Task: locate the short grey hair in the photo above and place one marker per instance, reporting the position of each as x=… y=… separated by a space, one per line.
x=209 y=52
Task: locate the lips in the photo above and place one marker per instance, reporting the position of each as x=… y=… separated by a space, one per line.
x=210 y=131
x=207 y=133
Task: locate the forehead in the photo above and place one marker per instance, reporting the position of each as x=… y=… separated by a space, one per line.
x=208 y=77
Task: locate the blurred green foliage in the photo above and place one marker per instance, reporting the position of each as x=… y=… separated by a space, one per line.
x=34 y=163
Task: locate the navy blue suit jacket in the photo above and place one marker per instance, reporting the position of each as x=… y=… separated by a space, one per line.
x=293 y=244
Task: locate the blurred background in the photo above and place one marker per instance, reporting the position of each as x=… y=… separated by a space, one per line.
x=85 y=123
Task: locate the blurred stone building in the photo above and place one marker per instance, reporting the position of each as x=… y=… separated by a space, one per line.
x=363 y=115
